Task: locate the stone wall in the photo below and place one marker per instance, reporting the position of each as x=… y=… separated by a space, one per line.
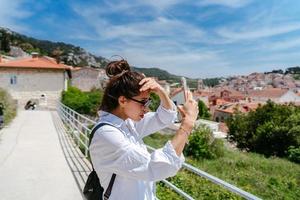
x=86 y=78
x=44 y=86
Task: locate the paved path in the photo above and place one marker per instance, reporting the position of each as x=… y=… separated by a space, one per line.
x=32 y=162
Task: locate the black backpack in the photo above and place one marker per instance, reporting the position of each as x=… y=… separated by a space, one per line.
x=93 y=189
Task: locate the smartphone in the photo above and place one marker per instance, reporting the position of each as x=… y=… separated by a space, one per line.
x=185 y=87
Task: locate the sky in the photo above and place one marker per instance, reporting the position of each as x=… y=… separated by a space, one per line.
x=197 y=39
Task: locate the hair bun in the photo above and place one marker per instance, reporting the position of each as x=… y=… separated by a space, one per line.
x=117 y=68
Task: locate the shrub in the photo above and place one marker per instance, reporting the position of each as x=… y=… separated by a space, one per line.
x=82 y=102
x=203 y=145
x=155 y=102
x=294 y=154
x=9 y=106
x=203 y=110
x=270 y=130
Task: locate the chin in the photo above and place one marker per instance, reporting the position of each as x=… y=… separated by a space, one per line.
x=138 y=118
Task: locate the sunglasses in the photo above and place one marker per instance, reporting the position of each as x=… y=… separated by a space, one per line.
x=145 y=103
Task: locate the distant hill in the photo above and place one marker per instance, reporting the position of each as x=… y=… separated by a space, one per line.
x=70 y=54
x=13 y=43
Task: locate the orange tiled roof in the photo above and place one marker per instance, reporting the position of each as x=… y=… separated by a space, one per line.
x=232 y=93
x=244 y=107
x=36 y=63
x=202 y=93
x=86 y=68
x=220 y=101
x=269 y=93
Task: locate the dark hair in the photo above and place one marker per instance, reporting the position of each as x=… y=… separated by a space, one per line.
x=123 y=82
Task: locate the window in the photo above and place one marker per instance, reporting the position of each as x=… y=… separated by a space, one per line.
x=13 y=79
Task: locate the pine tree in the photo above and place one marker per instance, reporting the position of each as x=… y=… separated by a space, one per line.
x=5 y=42
x=203 y=110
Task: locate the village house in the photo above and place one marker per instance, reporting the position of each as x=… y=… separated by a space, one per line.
x=36 y=78
x=202 y=95
x=278 y=95
x=223 y=112
x=87 y=78
x=225 y=95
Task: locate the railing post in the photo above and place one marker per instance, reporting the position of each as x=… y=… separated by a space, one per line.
x=76 y=132
x=86 y=143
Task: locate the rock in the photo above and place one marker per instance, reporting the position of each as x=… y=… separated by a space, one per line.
x=17 y=52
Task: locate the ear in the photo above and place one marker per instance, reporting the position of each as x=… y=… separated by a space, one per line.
x=122 y=101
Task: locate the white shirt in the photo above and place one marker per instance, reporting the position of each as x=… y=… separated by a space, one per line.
x=122 y=151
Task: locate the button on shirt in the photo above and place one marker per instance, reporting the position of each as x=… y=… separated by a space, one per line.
x=120 y=149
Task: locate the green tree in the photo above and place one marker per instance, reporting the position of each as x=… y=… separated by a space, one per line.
x=293 y=70
x=270 y=130
x=211 y=82
x=203 y=110
x=56 y=53
x=82 y=102
x=155 y=102
x=5 y=42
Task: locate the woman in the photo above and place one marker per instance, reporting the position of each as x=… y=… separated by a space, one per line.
x=118 y=148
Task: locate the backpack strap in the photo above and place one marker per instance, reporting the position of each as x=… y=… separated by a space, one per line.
x=112 y=180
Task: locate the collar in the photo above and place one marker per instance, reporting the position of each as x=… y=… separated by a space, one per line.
x=110 y=118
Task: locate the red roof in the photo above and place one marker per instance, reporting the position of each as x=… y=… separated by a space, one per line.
x=74 y=69
x=232 y=93
x=36 y=63
x=268 y=93
x=242 y=107
x=202 y=93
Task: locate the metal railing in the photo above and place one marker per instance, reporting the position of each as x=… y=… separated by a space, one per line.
x=80 y=128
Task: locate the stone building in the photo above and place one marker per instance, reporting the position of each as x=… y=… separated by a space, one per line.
x=36 y=78
x=86 y=78
x=277 y=95
x=224 y=111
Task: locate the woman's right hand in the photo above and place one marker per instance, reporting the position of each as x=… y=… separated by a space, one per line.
x=189 y=111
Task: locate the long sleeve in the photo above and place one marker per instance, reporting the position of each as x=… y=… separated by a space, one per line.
x=154 y=121
x=112 y=152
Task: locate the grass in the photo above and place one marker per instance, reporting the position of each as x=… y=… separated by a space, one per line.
x=267 y=178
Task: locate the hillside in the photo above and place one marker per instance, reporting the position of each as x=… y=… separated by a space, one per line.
x=12 y=43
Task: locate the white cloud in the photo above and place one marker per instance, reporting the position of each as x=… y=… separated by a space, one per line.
x=161 y=5
x=170 y=56
x=157 y=27
x=250 y=33
x=286 y=44
x=160 y=27
x=227 y=3
x=11 y=12
x=184 y=47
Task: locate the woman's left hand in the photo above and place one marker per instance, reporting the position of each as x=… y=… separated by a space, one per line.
x=151 y=85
